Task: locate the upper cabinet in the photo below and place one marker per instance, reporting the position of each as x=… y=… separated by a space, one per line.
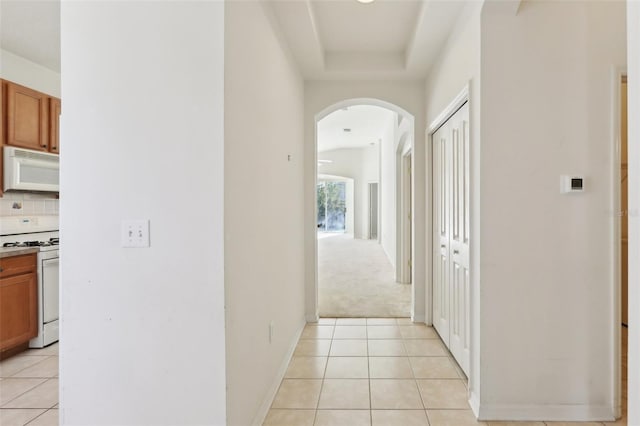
x=54 y=125
x=3 y=108
x=27 y=118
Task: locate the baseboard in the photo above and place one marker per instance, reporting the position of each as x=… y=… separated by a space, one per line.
x=418 y=317
x=273 y=389
x=474 y=402
x=560 y=413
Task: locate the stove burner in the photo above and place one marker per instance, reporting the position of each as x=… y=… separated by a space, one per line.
x=51 y=242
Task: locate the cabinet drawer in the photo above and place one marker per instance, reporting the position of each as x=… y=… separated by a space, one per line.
x=15 y=265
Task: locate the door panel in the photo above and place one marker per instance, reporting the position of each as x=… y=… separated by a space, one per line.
x=441 y=237
x=451 y=195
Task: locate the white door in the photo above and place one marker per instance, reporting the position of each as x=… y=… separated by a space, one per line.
x=441 y=232
x=451 y=303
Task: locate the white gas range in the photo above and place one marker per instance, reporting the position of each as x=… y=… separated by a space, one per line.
x=40 y=232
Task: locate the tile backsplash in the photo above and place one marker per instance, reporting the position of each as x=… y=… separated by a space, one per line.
x=27 y=204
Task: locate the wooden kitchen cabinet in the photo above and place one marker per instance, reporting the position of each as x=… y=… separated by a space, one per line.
x=54 y=125
x=3 y=133
x=3 y=109
x=27 y=118
x=18 y=301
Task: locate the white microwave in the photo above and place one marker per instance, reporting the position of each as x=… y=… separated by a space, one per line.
x=27 y=170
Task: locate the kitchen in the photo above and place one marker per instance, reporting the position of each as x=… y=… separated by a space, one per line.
x=30 y=111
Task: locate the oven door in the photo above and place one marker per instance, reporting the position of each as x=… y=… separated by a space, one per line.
x=50 y=290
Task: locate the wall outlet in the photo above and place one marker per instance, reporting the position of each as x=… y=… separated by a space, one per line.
x=135 y=233
x=271 y=327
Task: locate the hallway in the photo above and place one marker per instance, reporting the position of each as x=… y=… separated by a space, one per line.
x=355 y=279
x=377 y=372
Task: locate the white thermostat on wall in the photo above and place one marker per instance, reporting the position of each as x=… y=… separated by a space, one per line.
x=571 y=184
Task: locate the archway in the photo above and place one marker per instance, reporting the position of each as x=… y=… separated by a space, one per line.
x=404 y=187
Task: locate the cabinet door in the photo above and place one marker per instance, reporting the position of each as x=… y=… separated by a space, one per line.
x=54 y=125
x=18 y=310
x=3 y=128
x=3 y=125
x=27 y=118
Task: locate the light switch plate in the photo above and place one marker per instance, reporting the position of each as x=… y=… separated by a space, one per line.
x=135 y=233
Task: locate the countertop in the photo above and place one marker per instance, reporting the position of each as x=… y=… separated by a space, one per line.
x=17 y=251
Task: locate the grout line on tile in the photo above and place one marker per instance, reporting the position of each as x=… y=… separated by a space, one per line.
x=36 y=417
x=28 y=390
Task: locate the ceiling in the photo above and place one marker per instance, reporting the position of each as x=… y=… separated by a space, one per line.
x=386 y=39
x=31 y=29
x=367 y=124
x=330 y=39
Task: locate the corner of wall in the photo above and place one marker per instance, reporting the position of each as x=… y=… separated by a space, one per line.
x=263 y=411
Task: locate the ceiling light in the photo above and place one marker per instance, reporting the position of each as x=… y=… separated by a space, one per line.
x=365 y=1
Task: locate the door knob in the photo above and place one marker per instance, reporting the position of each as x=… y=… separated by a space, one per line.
x=456 y=252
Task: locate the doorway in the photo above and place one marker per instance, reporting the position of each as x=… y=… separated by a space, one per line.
x=624 y=246
x=405 y=217
x=356 y=272
x=332 y=206
x=373 y=211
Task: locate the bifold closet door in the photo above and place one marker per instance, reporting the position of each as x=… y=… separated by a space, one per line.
x=441 y=222
x=451 y=284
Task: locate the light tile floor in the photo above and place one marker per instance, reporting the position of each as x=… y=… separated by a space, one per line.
x=344 y=372
x=376 y=372
x=29 y=388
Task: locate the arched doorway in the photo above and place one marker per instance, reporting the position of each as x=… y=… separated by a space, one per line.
x=398 y=236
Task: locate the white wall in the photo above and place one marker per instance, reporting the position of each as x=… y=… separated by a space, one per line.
x=457 y=66
x=388 y=189
x=320 y=95
x=633 y=57
x=547 y=289
x=27 y=73
x=142 y=335
x=360 y=164
x=264 y=254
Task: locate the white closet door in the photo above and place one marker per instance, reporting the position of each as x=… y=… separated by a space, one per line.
x=451 y=303
x=460 y=307
x=441 y=267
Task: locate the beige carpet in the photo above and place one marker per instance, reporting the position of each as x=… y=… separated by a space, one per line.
x=355 y=279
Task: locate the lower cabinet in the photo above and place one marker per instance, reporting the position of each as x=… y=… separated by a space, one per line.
x=18 y=300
